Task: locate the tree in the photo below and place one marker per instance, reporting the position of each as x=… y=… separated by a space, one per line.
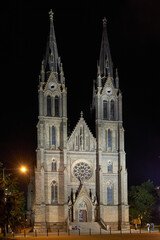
x=12 y=202
x=142 y=201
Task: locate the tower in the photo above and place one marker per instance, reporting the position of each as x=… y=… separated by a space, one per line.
x=52 y=138
x=79 y=178
x=111 y=181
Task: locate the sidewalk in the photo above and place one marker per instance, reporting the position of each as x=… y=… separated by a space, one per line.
x=77 y=232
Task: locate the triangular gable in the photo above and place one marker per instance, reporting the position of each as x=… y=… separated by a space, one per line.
x=52 y=84
x=108 y=83
x=81 y=138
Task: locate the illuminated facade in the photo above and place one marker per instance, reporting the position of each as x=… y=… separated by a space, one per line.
x=79 y=178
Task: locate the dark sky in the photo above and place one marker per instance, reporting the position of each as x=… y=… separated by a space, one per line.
x=134 y=36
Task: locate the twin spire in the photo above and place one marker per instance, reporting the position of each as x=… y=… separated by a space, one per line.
x=51 y=61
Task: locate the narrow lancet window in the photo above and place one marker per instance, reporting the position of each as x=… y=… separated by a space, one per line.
x=48 y=105
x=54 y=167
x=109 y=138
x=110 y=167
x=105 y=109
x=57 y=106
x=54 y=192
x=112 y=110
x=109 y=193
x=53 y=136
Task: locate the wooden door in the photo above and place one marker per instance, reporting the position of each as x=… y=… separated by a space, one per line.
x=83 y=216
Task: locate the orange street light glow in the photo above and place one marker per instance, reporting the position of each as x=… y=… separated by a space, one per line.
x=23 y=169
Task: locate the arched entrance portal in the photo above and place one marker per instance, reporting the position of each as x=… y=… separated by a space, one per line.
x=83 y=207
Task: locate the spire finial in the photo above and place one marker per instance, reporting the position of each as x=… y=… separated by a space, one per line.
x=104 y=21
x=81 y=114
x=51 y=15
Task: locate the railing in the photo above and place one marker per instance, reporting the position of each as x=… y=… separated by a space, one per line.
x=103 y=224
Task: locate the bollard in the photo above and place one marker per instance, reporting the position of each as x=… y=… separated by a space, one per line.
x=79 y=231
x=47 y=232
x=130 y=230
x=90 y=231
x=120 y=230
x=140 y=229
x=35 y=233
x=58 y=232
x=100 y=231
x=159 y=229
x=110 y=230
x=24 y=233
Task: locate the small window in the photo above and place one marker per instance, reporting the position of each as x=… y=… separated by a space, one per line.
x=54 y=165
x=54 y=192
x=105 y=110
x=48 y=105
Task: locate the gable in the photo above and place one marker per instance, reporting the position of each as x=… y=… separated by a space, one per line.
x=52 y=85
x=81 y=138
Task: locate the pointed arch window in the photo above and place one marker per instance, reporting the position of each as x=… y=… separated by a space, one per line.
x=48 y=105
x=109 y=193
x=109 y=138
x=112 y=110
x=54 y=192
x=110 y=167
x=105 y=109
x=53 y=136
x=54 y=165
x=56 y=106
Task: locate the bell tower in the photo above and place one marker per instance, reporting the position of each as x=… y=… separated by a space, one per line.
x=111 y=179
x=50 y=192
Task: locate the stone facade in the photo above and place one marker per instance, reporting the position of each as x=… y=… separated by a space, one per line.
x=79 y=178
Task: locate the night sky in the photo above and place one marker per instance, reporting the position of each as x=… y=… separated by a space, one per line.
x=134 y=36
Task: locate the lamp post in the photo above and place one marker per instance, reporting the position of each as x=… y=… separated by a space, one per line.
x=22 y=169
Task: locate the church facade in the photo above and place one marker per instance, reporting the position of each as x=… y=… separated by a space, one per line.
x=79 y=178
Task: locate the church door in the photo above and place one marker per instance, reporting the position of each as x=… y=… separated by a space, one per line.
x=83 y=216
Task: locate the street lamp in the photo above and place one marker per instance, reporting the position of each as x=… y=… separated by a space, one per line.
x=23 y=169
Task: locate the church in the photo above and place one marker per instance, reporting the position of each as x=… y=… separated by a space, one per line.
x=81 y=177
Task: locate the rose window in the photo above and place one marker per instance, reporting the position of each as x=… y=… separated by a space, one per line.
x=82 y=171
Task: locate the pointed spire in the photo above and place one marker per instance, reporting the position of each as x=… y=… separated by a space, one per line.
x=105 y=60
x=52 y=51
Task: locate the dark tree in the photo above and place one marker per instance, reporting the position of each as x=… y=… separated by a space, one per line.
x=142 y=201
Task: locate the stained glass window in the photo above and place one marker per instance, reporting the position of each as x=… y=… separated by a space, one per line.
x=82 y=171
